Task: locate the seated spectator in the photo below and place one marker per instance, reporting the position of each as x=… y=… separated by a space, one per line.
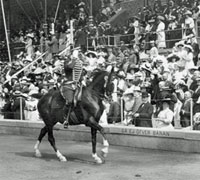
x=143 y=116
x=165 y=116
x=128 y=106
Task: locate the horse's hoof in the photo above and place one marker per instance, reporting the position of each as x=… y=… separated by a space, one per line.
x=104 y=154
x=99 y=161
x=38 y=154
x=63 y=159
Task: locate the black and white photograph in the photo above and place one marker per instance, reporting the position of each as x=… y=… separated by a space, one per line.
x=100 y=89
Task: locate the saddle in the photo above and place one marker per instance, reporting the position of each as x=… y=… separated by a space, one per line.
x=72 y=93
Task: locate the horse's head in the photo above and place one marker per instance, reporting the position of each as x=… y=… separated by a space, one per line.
x=102 y=83
x=109 y=86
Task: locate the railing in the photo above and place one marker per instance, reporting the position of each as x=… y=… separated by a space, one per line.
x=27 y=112
x=172 y=36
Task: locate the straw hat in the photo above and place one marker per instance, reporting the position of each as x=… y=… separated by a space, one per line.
x=161 y=18
x=189 y=47
x=93 y=53
x=188 y=12
x=30 y=35
x=180 y=43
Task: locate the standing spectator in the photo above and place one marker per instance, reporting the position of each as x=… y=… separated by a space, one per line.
x=186 y=109
x=42 y=42
x=161 y=33
x=137 y=29
x=29 y=45
x=53 y=45
x=81 y=39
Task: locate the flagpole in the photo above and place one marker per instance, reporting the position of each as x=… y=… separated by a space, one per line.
x=5 y=27
x=57 y=11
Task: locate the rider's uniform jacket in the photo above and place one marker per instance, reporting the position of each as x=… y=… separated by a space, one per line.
x=73 y=70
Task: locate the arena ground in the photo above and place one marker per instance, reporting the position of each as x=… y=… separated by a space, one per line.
x=17 y=162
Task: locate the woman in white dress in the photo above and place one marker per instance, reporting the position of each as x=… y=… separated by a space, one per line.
x=161 y=40
x=188 y=57
x=165 y=116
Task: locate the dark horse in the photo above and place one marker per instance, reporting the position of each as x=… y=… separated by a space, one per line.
x=87 y=111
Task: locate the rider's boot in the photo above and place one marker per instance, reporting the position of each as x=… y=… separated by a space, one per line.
x=66 y=115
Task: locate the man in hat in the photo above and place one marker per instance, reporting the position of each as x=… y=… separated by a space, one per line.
x=143 y=116
x=71 y=89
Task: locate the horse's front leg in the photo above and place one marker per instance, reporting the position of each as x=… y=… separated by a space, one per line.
x=94 y=143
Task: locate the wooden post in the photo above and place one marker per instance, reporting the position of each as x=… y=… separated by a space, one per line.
x=57 y=9
x=6 y=32
x=21 y=110
x=191 y=114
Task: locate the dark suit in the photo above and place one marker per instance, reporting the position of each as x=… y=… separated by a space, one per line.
x=145 y=114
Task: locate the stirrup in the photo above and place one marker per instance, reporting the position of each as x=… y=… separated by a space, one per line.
x=66 y=124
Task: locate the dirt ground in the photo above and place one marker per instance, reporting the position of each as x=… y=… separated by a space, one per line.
x=17 y=162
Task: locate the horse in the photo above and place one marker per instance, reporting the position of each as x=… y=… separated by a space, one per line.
x=87 y=111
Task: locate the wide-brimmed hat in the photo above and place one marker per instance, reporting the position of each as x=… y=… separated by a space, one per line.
x=161 y=18
x=167 y=100
x=151 y=20
x=93 y=53
x=188 y=12
x=121 y=74
x=189 y=47
x=173 y=56
x=25 y=79
x=146 y=67
x=30 y=35
x=180 y=43
x=17 y=93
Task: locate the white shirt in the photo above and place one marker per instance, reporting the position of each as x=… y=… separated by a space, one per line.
x=166 y=116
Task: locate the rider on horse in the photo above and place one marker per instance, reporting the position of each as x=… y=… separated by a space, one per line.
x=71 y=87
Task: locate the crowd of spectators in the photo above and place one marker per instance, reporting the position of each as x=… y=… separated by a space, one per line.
x=150 y=89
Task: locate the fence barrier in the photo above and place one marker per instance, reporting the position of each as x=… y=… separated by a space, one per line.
x=31 y=113
x=172 y=36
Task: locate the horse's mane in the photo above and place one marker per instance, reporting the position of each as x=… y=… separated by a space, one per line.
x=98 y=78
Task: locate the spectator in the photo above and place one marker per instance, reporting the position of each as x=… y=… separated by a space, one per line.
x=160 y=33
x=143 y=116
x=165 y=116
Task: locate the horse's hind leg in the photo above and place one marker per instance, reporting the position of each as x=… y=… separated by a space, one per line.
x=53 y=144
x=36 y=147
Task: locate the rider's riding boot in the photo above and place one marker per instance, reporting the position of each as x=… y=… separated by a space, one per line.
x=66 y=116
